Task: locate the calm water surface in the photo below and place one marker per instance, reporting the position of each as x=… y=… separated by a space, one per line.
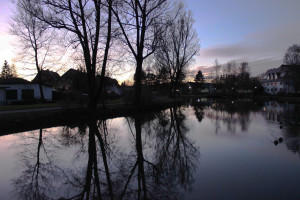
x=204 y=150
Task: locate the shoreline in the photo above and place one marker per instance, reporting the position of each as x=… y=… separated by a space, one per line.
x=21 y=121
x=15 y=121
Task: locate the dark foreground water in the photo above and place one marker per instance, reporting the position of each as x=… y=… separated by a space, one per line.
x=204 y=150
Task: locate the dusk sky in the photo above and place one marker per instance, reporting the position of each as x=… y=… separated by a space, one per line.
x=257 y=31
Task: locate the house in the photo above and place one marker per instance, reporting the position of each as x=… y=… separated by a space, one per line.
x=75 y=80
x=203 y=88
x=278 y=80
x=18 y=89
x=112 y=87
x=48 y=78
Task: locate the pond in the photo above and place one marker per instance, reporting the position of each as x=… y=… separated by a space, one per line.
x=203 y=150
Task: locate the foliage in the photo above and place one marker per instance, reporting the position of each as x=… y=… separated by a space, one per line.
x=199 y=78
x=292 y=56
x=8 y=71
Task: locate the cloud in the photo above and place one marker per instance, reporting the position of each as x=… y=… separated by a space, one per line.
x=263 y=49
x=191 y=73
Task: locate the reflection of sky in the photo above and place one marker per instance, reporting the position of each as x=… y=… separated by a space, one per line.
x=258 y=31
x=232 y=165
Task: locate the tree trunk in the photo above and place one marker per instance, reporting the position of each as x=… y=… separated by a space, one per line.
x=39 y=77
x=140 y=156
x=138 y=82
x=41 y=86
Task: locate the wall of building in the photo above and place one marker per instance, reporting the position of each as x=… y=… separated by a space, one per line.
x=273 y=87
x=2 y=96
x=35 y=87
x=278 y=87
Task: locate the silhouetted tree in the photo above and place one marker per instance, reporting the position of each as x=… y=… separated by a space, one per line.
x=244 y=76
x=88 y=25
x=7 y=71
x=292 y=56
x=141 y=21
x=216 y=70
x=199 y=79
x=177 y=46
x=230 y=68
x=35 y=39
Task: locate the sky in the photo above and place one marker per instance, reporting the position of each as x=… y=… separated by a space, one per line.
x=257 y=31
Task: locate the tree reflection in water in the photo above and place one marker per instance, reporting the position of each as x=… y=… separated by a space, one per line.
x=232 y=113
x=38 y=177
x=160 y=161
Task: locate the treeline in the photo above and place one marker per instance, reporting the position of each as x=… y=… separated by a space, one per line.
x=104 y=34
x=232 y=77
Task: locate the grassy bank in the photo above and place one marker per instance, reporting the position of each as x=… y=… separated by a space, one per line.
x=30 y=106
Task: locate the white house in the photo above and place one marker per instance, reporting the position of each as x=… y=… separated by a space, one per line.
x=17 y=89
x=276 y=81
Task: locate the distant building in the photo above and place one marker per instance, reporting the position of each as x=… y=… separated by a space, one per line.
x=112 y=87
x=277 y=80
x=18 y=89
x=73 y=80
x=76 y=81
x=204 y=87
x=48 y=78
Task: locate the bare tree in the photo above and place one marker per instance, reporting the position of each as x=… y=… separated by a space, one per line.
x=244 y=68
x=216 y=69
x=231 y=68
x=34 y=38
x=140 y=22
x=177 y=46
x=88 y=26
x=292 y=56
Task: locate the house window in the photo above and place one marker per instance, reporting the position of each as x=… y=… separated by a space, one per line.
x=280 y=83
x=11 y=94
x=271 y=83
x=276 y=83
x=27 y=94
x=268 y=84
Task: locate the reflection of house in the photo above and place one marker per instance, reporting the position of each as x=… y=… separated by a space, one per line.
x=277 y=80
x=17 y=89
x=278 y=112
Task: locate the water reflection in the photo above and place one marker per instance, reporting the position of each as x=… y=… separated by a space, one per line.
x=154 y=166
x=231 y=114
x=39 y=172
x=287 y=116
x=156 y=155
